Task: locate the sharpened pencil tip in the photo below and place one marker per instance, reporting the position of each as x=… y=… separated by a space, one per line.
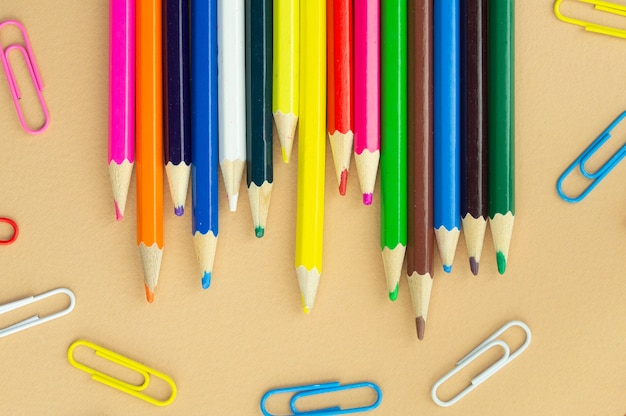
x=420 y=325
x=285 y=155
x=394 y=295
x=232 y=202
x=343 y=182
x=259 y=231
x=501 y=260
x=368 y=199
x=447 y=268
x=119 y=215
x=206 y=280
x=473 y=265
x=149 y=294
x=179 y=211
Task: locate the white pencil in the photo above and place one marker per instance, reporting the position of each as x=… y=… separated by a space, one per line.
x=231 y=57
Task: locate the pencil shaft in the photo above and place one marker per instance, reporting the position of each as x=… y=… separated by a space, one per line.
x=259 y=91
x=366 y=76
x=474 y=77
x=177 y=120
x=419 y=256
x=501 y=108
x=204 y=105
x=149 y=124
x=311 y=148
x=340 y=66
x=394 y=123
x=286 y=55
x=122 y=81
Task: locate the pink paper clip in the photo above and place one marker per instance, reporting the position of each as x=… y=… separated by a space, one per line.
x=27 y=53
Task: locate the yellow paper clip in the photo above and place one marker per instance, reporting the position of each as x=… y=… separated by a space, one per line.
x=35 y=320
x=603 y=6
x=490 y=342
x=132 y=389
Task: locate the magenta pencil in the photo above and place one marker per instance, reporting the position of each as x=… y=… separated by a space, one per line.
x=367 y=94
x=121 y=99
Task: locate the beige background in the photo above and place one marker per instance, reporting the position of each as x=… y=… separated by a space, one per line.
x=226 y=346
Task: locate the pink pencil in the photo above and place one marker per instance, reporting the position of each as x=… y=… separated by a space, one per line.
x=121 y=99
x=367 y=94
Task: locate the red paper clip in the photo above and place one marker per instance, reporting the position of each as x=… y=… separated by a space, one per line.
x=16 y=231
x=29 y=58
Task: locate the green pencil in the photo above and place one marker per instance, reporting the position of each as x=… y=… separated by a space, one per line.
x=393 y=156
x=501 y=126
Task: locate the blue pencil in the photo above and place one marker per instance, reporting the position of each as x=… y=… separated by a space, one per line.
x=447 y=133
x=204 y=133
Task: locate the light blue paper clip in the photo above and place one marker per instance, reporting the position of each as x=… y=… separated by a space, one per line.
x=322 y=388
x=599 y=174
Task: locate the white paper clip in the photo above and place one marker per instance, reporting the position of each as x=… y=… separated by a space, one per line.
x=475 y=353
x=35 y=320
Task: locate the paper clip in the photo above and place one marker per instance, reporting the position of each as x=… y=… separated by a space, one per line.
x=29 y=57
x=35 y=320
x=475 y=353
x=132 y=389
x=603 y=6
x=16 y=231
x=581 y=160
x=322 y=388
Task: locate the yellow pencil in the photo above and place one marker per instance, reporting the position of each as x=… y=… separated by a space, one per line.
x=286 y=88
x=311 y=150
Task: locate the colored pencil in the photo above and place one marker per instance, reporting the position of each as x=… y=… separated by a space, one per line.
x=419 y=255
x=177 y=120
x=286 y=85
x=447 y=98
x=393 y=168
x=231 y=38
x=340 y=100
x=474 y=173
x=149 y=141
x=367 y=94
x=260 y=167
x=501 y=126
x=204 y=134
x=121 y=99
x=311 y=150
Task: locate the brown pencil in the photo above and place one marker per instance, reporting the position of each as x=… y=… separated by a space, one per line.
x=419 y=254
x=474 y=159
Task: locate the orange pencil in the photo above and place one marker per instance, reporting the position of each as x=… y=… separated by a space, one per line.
x=149 y=152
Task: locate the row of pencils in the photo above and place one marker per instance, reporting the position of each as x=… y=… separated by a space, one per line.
x=419 y=87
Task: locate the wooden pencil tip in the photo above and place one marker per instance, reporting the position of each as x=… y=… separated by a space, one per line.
x=343 y=182
x=420 y=325
x=149 y=294
x=179 y=211
x=393 y=296
x=368 y=199
x=447 y=268
x=285 y=155
x=473 y=265
x=259 y=231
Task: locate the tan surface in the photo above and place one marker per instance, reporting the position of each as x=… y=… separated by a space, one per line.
x=226 y=346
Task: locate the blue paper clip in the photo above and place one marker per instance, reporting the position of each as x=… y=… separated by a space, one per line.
x=599 y=174
x=490 y=342
x=322 y=388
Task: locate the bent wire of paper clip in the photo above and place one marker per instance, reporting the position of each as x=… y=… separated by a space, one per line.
x=132 y=389
x=600 y=173
x=490 y=342
x=35 y=320
x=27 y=53
x=16 y=231
x=318 y=389
x=603 y=6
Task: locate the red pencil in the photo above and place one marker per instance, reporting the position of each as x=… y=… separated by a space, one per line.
x=340 y=86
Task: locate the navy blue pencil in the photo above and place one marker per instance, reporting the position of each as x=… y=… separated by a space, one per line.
x=176 y=100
